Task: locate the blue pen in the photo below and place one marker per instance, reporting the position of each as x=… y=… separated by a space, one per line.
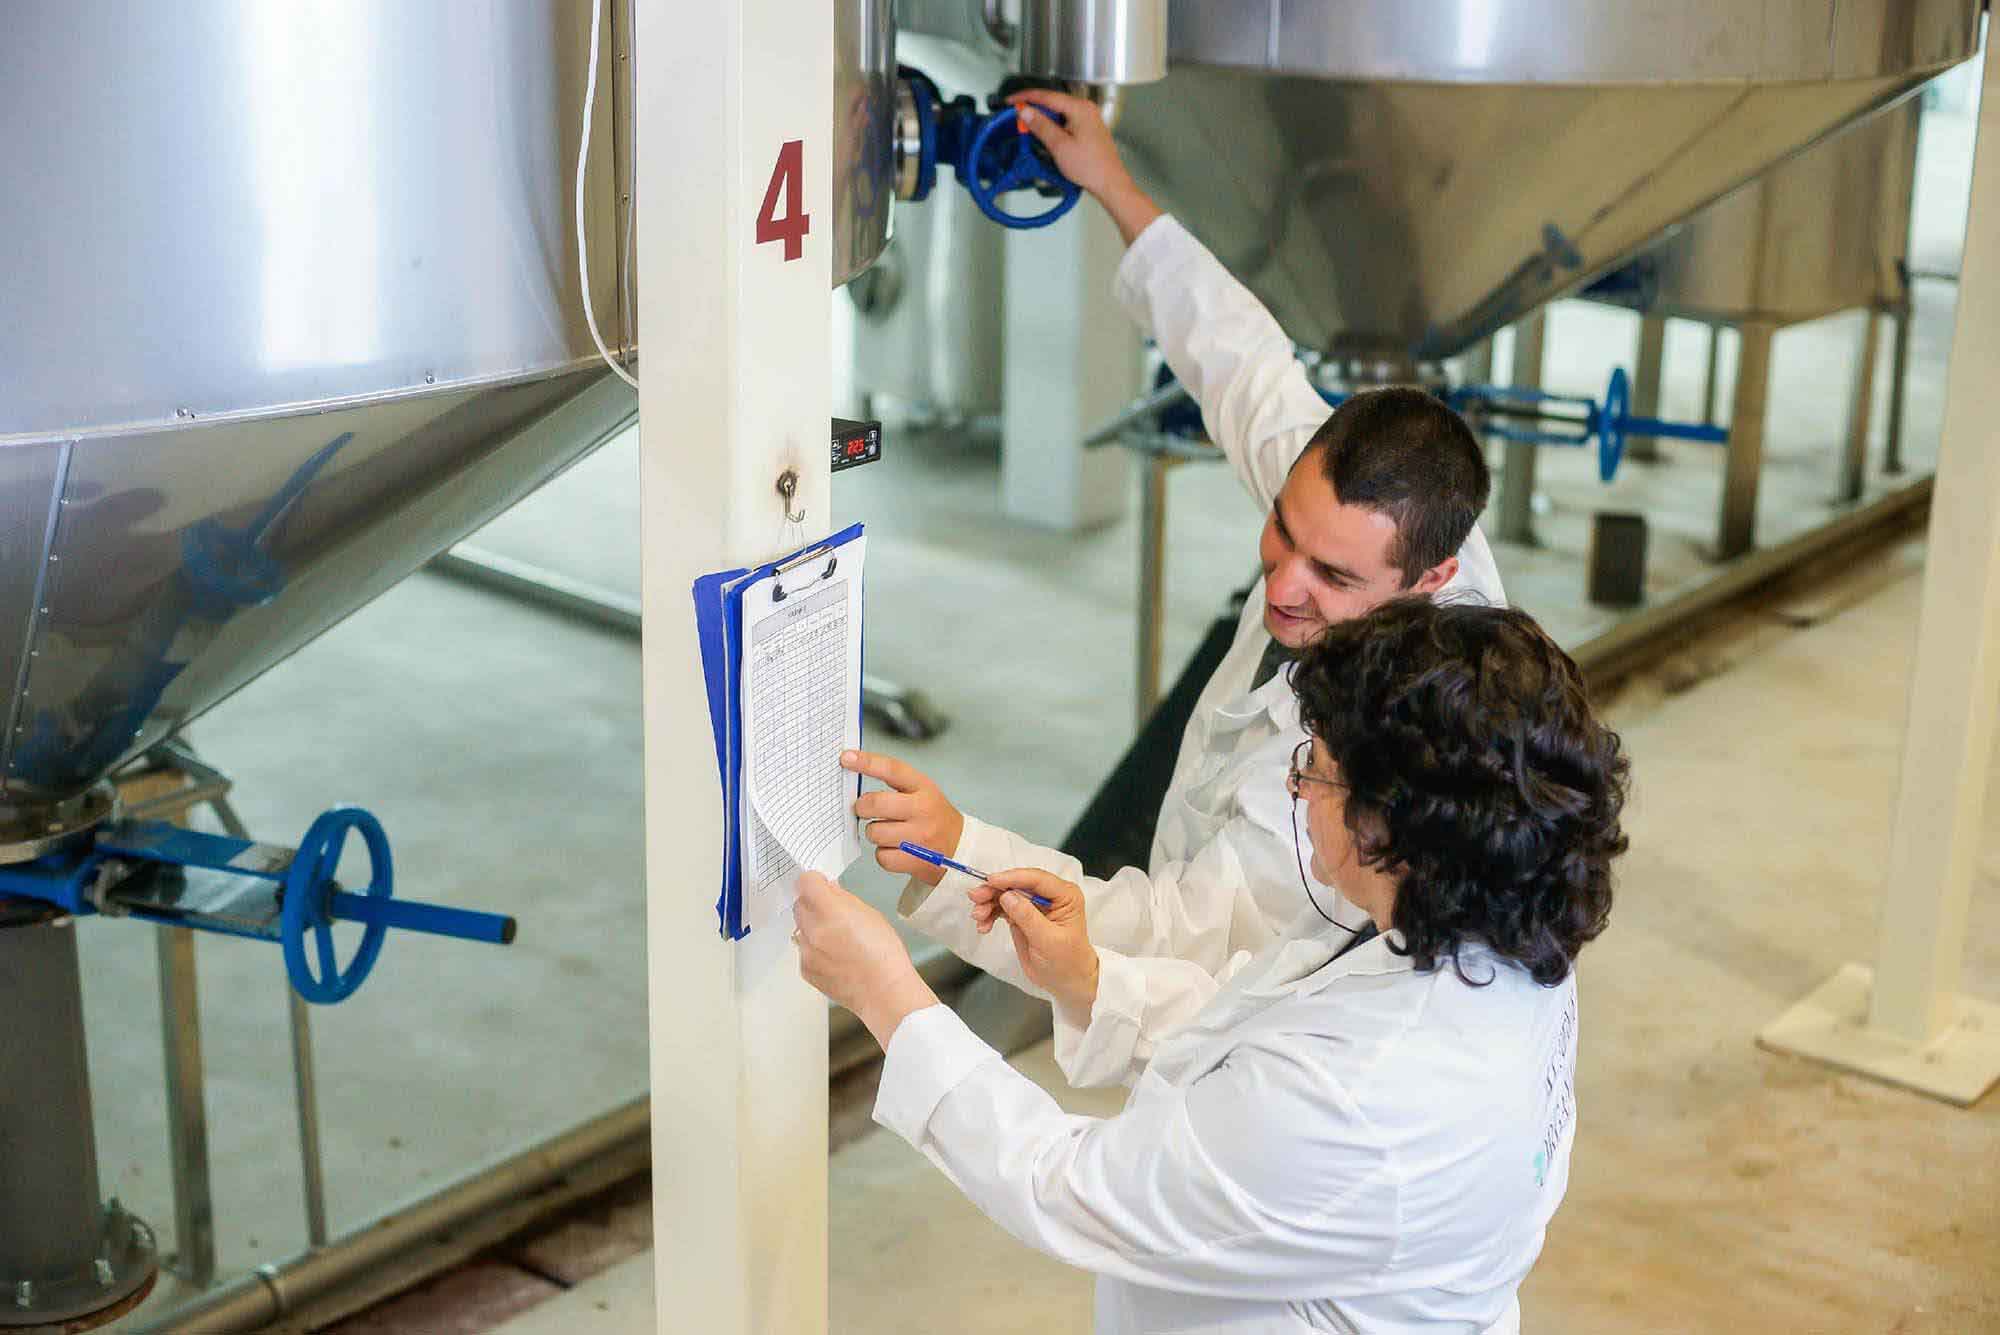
x=937 y=859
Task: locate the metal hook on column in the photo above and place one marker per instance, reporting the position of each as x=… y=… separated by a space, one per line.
x=788 y=488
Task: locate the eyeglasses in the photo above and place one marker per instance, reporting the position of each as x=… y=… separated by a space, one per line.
x=1294 y=783
x=1297 y=777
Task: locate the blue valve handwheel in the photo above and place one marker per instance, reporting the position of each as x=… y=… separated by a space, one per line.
x=1611 y=424
x=307 y=890
x=1015 y=165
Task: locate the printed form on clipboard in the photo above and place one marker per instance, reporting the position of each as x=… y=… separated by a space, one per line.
x=801 y=709
x=781 y=656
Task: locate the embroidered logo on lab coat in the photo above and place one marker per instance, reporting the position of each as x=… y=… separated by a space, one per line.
x=1558 y=1091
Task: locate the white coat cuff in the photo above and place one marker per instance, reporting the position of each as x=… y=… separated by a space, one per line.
x=980 y=846
x=1163 y=246
x=931 y=910
x=929 y=1055
x=1103 y=1052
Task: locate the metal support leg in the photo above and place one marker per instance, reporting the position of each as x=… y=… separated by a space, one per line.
x=1152 y=580
x=1517 y=469
x=187 y=1109
x=1744 y=462
x=68 y=1260
x=1860 y=413
x=180 y=1027
x=1892 y=448
x=1712 y=378
x=1647 y=369
x=1479 y=363
x=312 y=1168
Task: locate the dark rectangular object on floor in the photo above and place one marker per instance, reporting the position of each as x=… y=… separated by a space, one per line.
x=1617 y=560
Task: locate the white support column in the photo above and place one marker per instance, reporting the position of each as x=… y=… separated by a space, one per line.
x=1905 y=1021
x=735 y=387
x=1072 y=362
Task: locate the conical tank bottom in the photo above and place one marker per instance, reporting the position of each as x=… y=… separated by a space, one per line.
x=1433 y=214
x=147 y=576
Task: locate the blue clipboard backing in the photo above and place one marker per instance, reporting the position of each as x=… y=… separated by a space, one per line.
x=718 y=610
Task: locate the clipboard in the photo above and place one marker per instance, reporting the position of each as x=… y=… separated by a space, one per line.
x=718 y=607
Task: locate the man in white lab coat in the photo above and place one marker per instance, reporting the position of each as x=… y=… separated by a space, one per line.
x=1377 y=500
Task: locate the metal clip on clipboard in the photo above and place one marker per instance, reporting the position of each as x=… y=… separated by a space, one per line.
x=778 y=590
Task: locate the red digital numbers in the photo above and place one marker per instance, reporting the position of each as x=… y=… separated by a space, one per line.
x=786 y=192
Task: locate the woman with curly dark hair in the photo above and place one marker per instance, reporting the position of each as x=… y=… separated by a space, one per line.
x=1475 y=782
x=1361 y=1129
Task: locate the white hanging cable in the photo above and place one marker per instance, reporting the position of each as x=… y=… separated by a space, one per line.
x=582 y=157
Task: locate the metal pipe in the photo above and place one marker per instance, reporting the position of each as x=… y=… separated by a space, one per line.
x=1149 y=403
x=187 y=1108
x=1094 y=41
x=541 y=586
x=1110 y=100
x=168 y=806
x=273 y=1291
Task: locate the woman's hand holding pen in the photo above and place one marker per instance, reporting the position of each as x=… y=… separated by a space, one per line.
x=911 y=809
x=1053 y=943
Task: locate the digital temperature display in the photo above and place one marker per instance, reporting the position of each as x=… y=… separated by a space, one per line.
x=855 y=443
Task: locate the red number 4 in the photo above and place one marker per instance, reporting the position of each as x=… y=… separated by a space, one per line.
x=796 y=222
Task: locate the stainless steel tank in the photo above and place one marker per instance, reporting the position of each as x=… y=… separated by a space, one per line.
x=1825 y=231
x=291 y=304
x=1419 y=176
x=928 y=318
x=864 y=112
x=1095 y=41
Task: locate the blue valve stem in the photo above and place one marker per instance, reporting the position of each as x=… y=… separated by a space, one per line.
x=1653 y=426
x=411 y=916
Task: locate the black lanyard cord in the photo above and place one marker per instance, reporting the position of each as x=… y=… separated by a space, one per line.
x=1299 y=853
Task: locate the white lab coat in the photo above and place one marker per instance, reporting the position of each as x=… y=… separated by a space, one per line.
x=1224 y=873
x=1347 y=1146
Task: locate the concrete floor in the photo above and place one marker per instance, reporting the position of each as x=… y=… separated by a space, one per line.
x=501 y=746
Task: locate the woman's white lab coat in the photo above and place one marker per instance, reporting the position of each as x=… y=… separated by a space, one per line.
x=1346 y=1146
x=1224 y=873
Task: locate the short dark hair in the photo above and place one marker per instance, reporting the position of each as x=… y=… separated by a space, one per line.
x=1476 y=774
x=1404 y=453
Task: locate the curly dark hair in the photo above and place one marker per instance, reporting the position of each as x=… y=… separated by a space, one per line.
x=1476 y=775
